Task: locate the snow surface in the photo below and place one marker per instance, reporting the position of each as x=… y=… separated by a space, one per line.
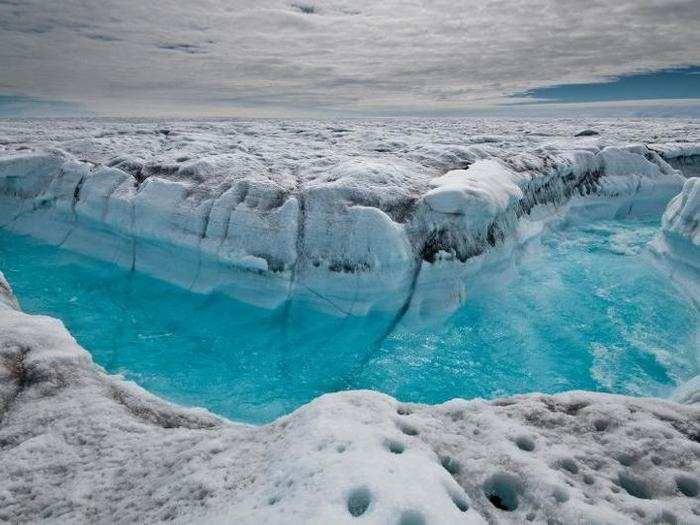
x=78 y=445
x=354 y=215
x=349 y=216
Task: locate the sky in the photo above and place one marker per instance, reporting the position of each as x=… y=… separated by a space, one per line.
x=349 y=58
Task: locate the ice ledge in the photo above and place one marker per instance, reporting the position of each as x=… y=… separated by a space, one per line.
x=78 y=445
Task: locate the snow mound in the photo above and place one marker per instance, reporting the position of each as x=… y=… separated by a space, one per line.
x=483 y=191
x=80 y=446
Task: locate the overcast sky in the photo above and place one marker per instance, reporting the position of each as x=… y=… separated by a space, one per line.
x=330 y=57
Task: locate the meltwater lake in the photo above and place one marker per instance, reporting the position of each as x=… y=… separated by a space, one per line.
x=582 y=308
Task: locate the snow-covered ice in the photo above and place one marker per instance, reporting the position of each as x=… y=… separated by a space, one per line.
x=352 y=216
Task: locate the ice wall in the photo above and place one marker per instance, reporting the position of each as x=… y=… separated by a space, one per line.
x=7 y=300
x=677 y=249
x=681 y=223
x=678 y=244
x=347 y=235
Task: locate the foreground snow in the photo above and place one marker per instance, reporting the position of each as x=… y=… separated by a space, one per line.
x=78 y=445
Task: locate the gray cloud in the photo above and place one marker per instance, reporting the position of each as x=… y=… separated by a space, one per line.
x=329 y=57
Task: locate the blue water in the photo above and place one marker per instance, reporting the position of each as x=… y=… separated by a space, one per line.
x=581 y=309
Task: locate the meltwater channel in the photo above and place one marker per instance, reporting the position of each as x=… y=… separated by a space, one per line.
x=582 y=308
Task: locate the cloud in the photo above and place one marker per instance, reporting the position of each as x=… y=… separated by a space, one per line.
x=345 y=57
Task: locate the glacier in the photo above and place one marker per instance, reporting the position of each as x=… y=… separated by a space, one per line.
x=350 y=217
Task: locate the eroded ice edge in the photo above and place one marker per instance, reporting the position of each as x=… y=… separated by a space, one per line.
x=351 y=216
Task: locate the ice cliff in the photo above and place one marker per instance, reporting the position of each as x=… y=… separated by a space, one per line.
x=80 y=446
x=372 y=215
x=679 y=241
x=677 y=246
